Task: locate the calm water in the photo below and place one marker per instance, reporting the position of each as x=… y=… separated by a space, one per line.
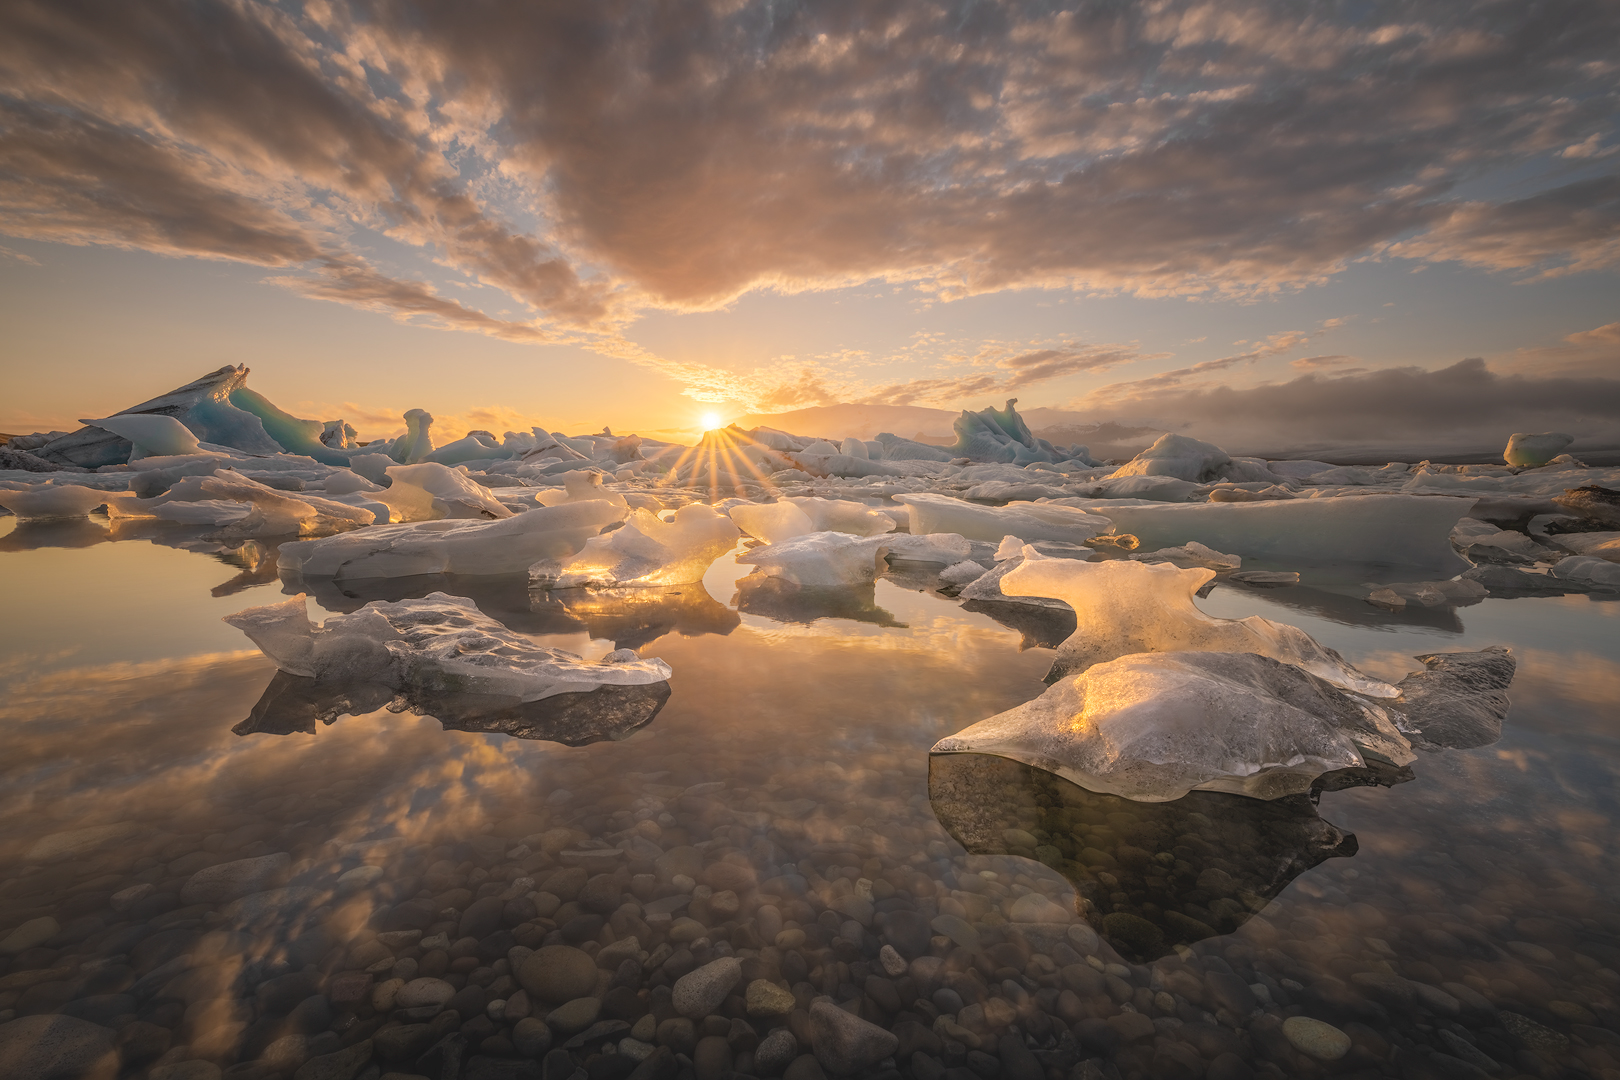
x=778 y=811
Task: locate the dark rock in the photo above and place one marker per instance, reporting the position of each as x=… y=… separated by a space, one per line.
x=845 y=1044
x=56 y=1048
x=907 y=931
x=482 y=918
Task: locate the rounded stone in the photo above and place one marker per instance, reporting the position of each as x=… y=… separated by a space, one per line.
x=767 y=1001
x=1324 y=1042
x=699 y=993
x=56 y=1045
x=575 y=1016
x=894 y=965
x=845 y=1044
x=712 y=1058
x=1035 y=908
x=29 y=934
x=233 y=880
x=775 y=1052
x=420 y=992
x=531 y=1037
x=907 y=931
x=558 y=973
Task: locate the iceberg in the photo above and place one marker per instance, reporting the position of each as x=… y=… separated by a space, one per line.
x=150 y=434
x=1588 y=570
x=1531 y=451
x=438 y=640
x=1594 y=503
x=1405 y=530
x=429 y=491
x=1154 y=726
x=1177 y=456
x=646 y=550
x=831 y=560
x=797 y=516
x=1001 y=435
x=244 y=507
x=580 y=485
x=931 y=513
x=46 y=502
x=1124 y=607
x=1233 y=854
x=509 y=546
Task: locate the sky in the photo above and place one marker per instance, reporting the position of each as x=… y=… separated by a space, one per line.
x=1390 y=217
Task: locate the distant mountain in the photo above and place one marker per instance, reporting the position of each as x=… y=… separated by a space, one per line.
x=1106 y=441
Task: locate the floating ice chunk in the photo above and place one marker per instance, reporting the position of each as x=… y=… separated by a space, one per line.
x=1397 y=529
x=581 y=485
x=854 y=448
x=1178 y=456
x=842 y=464
x=1524 y=449
x=1481 y=541
x=1009 y=557
x=897 y=449
x=1245 y=470
x=646 y=550
x=1153 y=488
x=1599 y=545
x=963 y=573
x=439 y=642
x=269 y=512
x=1126 y=607
x=151 y=434
x=474 y=446
x=1237 y=494
x=1154 y=726
x=41 y=502
x=1344 y=476
x=1458 y=701
x=774 y=522
x=510 y=546
x=1002 y=435
x=1032 y=521
x=1192 y=553
x=1588 y=570
x=1266 y=579
x=1298 y=469
x=347 y=482
x=1428 y=593
x=830 y=560
x=1594 y=503
x=417 y=442
x=451 y=493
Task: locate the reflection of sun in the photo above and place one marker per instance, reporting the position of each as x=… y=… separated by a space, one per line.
x=711 y=420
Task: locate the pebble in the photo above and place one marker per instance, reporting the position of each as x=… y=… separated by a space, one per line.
x=767 y=1001
x=233 y=880
x=29 y=934
x=1035 y=908
x=1324 y=1042
x=422 y=992
x=845 y=1044
x=574 y=1016
x=894 y=965
x=558 y=973
x=958 y=930
x=775 y=1052
x=531 y=1037
x=701 y=992
x=56 y=1046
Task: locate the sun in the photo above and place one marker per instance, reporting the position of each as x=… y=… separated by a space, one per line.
x=711 y=421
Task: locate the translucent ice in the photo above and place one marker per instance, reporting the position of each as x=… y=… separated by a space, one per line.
x=830 y=560
x=1002 y=435
x=1192 y=553
x=151 y=434
x=46 y=501
x=774 y=522
x=417 y=442
x=1588 y=570
x=1032 y=521
x=1177 y=456
x=1458 y=701
x=450 y=493
x=510 y=546
x=645 y=550
x=580 y=485
x=1525 y=449
x=1395 y=529
x=269 y=512
x=1126 y=607
x=439 y=641
x=1154 y=726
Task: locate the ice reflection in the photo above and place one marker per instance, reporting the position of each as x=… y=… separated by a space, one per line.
x=631 y=618
x=292 y=703
x=776 y=598
x=1151 y=875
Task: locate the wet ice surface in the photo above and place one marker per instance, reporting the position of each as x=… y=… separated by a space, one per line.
x=179 y=899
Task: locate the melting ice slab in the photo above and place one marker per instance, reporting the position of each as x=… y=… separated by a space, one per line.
x=439 y=645
x=1130 y=607
x=509 y=546
x=645 y=551
x=1154 y=726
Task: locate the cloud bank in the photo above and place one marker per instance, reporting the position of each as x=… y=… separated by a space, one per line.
x=587 y=163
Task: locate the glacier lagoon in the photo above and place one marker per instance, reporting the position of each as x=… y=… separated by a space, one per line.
x=372 y=861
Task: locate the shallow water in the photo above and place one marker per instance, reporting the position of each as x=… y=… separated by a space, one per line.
x=778 y=809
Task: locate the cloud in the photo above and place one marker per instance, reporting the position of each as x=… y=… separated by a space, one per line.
x=1281 y=342
x=1585 y=352
x=1316 y=363
x=591 y=163
x=1004 y=371
x=1466 y=406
